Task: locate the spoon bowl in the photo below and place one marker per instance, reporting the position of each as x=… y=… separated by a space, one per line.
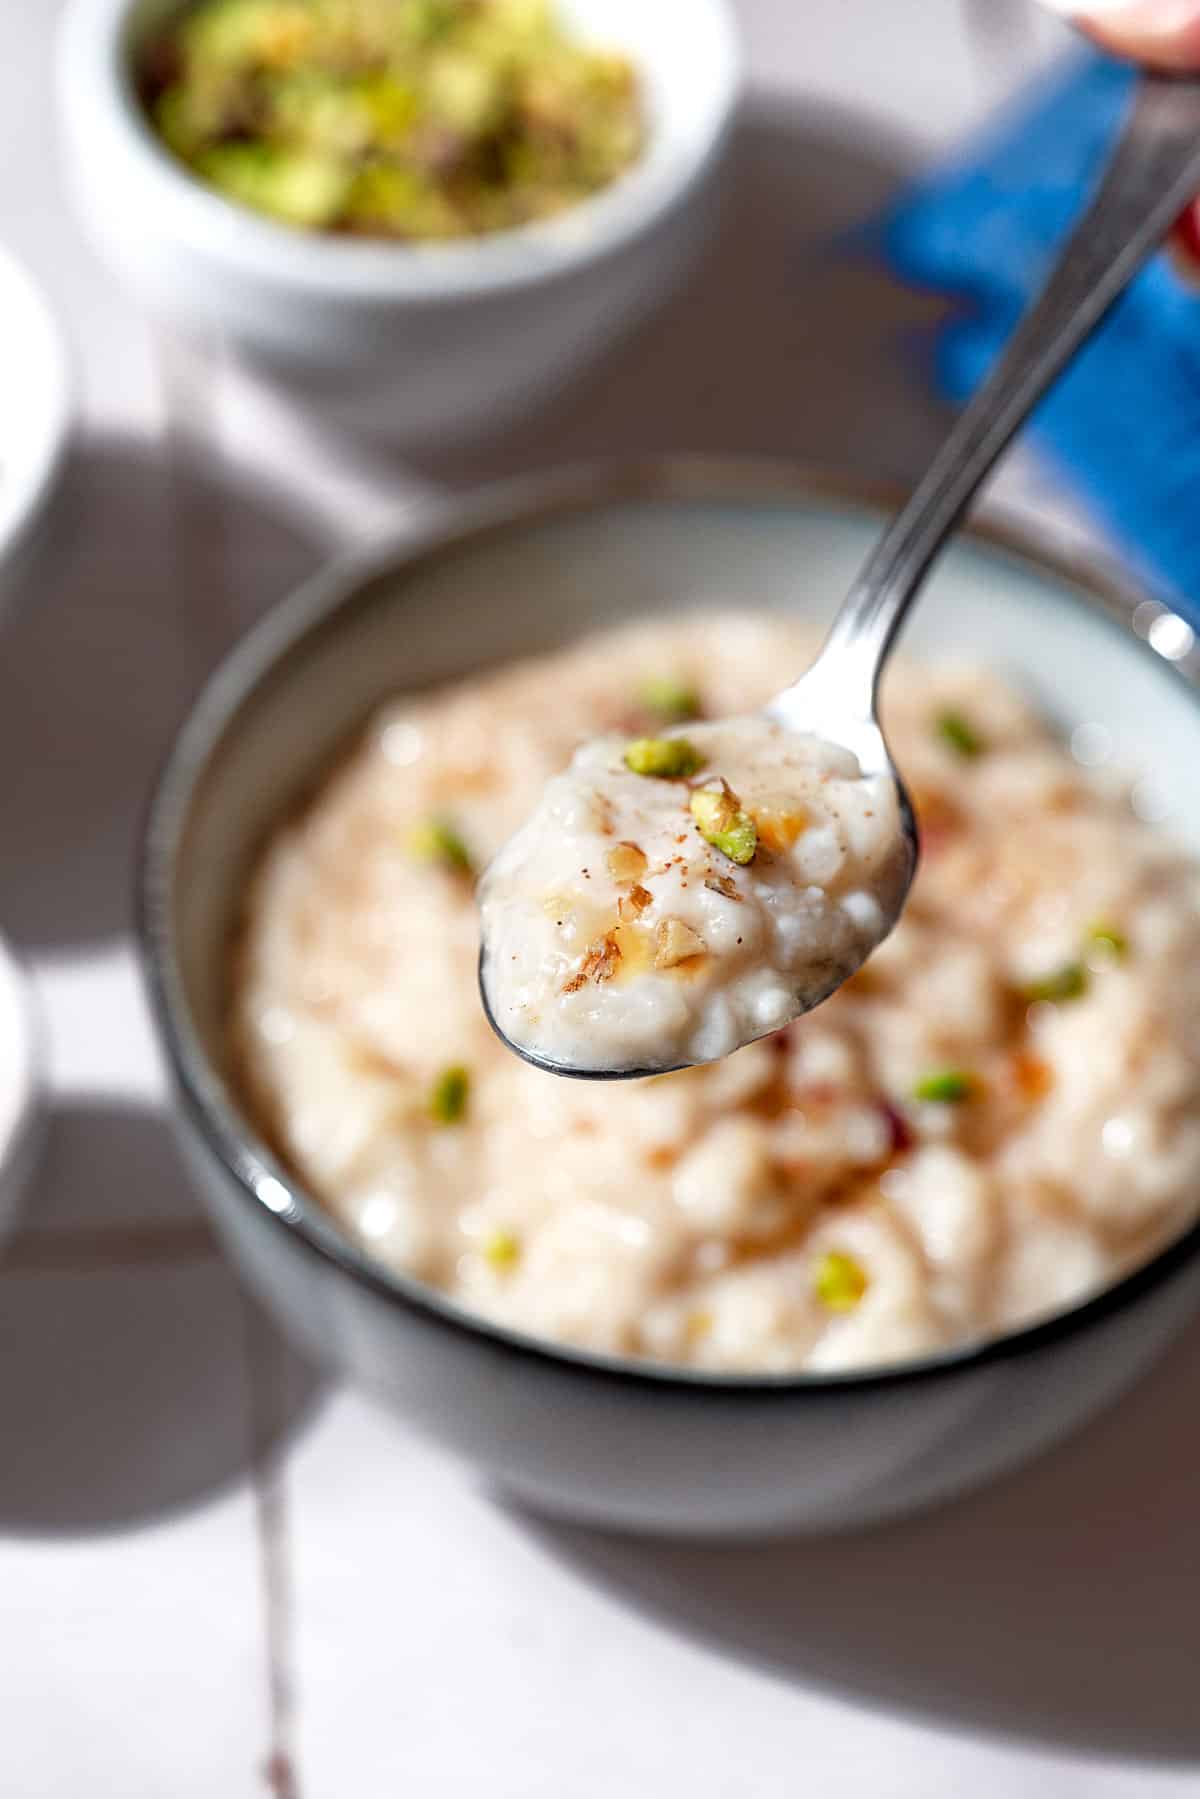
x=815 y=706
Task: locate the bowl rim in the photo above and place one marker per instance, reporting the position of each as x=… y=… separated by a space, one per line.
x=315 y=608
x=100 y=109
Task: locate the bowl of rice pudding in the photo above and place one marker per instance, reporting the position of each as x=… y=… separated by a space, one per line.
x=863 y=1263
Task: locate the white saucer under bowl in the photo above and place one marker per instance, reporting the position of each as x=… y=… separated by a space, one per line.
x=35 y=417
x=21 y=1115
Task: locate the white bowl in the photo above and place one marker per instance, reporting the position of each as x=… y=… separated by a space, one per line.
x=416 y=341
x=21 y=1115
x=35 y=414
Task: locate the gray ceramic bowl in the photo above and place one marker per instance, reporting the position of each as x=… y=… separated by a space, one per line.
x=584 y=1435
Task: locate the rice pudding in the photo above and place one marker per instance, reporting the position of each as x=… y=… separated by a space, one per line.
x=995 y=1117
x=674 y=897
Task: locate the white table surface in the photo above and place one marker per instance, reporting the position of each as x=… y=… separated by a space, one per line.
x=218 y=1575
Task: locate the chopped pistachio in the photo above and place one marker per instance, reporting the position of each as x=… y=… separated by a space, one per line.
x=779 y=829
x=503 y=1250
x=721 y=821
x=670 y=698
x=449 y=1094
x=300 y=187
x=436 y=840
x=840 y=1281
x=956 y=730
x=671 y=758
x=625 y=862
x=945 y=1086
x=1065 y=983
x=1108 y=939
x=408 y=119
x=675 y=942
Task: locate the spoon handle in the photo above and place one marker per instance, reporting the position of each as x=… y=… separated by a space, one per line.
x=1153 y=171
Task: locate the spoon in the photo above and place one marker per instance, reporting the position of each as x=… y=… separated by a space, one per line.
x=1153 y=170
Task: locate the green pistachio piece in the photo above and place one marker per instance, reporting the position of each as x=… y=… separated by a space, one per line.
x=449 y=1094
x=840 y=1281
x=503 y=1250
x=670 y=758
x=721 y=821
x=1065 y=983
x=669 y=698
x=299 y=187
x=945 y=1086
x=436 y=840
x=956 y=730
x=1109 y=940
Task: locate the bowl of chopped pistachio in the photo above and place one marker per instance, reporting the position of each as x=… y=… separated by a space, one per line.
x=421 y=215
x=859 y=1265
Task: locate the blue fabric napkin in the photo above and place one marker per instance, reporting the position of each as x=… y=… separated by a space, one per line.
x=1122 y=428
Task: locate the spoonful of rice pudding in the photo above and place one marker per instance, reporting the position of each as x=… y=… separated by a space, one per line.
x=675 y=897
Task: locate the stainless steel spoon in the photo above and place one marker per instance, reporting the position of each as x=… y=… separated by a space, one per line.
x=1154 y=169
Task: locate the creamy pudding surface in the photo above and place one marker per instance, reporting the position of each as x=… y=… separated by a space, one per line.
x=997 y=1115
x=674 y=897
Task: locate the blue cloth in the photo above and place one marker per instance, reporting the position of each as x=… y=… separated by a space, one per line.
x=1122 y=427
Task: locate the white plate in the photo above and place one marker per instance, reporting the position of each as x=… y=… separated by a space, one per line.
x=20 y=1086
x=35 y=412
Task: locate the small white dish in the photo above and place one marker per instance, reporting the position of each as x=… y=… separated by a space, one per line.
x=35 y=414
x=21 y=1116
x=414 y=342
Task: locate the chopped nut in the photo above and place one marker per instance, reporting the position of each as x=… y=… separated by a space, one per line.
x=676 y=942
x=633 y=903
x=625 y=862
x=778 y=830
x=957 y=731
x=1065 y=983
x=723 y=884
x=840 y=1281
x=670 y=758
x=946 y=1087
x=670 y=698
x=502 y=1250
x=634 y=943
x=721 y=821
x=449 y=1095
x=1108 y=940
x=436 y=840
x=599 y=964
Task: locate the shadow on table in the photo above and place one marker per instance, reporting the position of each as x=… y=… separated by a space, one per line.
x=151 y=567
x=1060 y=1605
x=135 y=1375
x=779 y=344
